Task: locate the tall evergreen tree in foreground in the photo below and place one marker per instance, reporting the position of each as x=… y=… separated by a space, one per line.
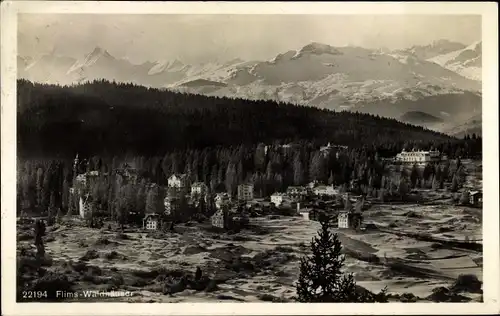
x=321 y=279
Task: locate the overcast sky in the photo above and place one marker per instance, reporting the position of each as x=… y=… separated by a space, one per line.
x=199 y=38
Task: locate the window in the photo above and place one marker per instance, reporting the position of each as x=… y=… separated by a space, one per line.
x=151 y=224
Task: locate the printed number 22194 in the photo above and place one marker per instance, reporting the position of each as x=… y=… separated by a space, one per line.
x=34 y=294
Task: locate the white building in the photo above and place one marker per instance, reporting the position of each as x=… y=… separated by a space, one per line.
x=85 y=205
x=151 y=222
x=325 y=190
x=218 y=219
x=418 y=156
x=303 y=212
x=305 y=215
x=245 y=192
x=199 y=188
x=178 y=181
x=325 y=150
x=170 y=203
x=221 y=199
x=312 y=184
x=343 y=219
x=277 y=198
x=295 y=191
x=349 y=219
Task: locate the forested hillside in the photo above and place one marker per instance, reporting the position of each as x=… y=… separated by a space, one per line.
x=218 y=141
x=107 y=119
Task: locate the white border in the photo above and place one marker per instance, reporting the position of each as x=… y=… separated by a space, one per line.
x=489 y=13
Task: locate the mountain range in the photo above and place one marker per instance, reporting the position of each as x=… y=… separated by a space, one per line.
x=441 y=79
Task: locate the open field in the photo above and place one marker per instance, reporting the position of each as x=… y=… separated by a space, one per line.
x=269 y=256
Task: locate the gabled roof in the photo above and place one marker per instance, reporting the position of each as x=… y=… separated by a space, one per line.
x=199 y=183
x=146 y=216
x=178 y=175
x=245 y=184
x=278 y=194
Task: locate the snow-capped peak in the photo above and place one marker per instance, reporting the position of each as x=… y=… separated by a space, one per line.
x=317 y=49
x=476 y=46
x=164 y=65
x=466 y=61
x=96 y=54
x=91 y=58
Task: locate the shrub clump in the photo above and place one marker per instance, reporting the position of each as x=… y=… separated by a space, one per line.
x=467 y=283
x=89 y=255
x=408 y=298
x=442 y=294
x=52 y=282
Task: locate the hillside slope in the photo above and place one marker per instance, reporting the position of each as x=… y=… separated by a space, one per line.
x=466 y=61
x=103 y=117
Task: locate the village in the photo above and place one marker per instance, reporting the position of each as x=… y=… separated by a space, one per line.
x=185 y=201
x=247 y=246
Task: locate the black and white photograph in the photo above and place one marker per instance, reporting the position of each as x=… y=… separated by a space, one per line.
x=250 y=158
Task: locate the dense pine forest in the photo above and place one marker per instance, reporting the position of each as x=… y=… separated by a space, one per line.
x=106 y=119
x=220 y=141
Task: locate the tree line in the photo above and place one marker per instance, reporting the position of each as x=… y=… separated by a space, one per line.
x=44 y=184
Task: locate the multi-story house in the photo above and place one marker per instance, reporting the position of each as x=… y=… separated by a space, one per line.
x=349 y=219
x=245 y=192
x=199 y=188
x=222 y=199
x=85 y=205
x=170 y=203
x=178 y=181
x=476 y=198
x=151 y=222
x=220 y=219
x=418 y=156
x=277 y=198
x=327 y=190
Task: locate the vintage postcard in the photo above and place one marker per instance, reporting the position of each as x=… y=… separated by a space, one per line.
x=192 y=157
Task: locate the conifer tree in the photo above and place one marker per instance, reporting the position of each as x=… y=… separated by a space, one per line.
x=321 y=277
x=454 y=184
x=464 y=199
x=403 y=188
x=331 y=178
x=230 y=181
x=38 y=234
x=298 y=172
x=414 y=176
x=154 y=203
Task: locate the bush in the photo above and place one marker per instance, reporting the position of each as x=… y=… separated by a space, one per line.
x=102 y=241
x=24 y=236
x=89 y=255
x=408 y=298
x=267 y=298
x=52 y=282
x=79 y=266
x=442 y=294
x=112 y=255
x=284 y=249
x=212 y=286
x=117 y=280
x=467 y=283
x=121 y=236
x=412 y=214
